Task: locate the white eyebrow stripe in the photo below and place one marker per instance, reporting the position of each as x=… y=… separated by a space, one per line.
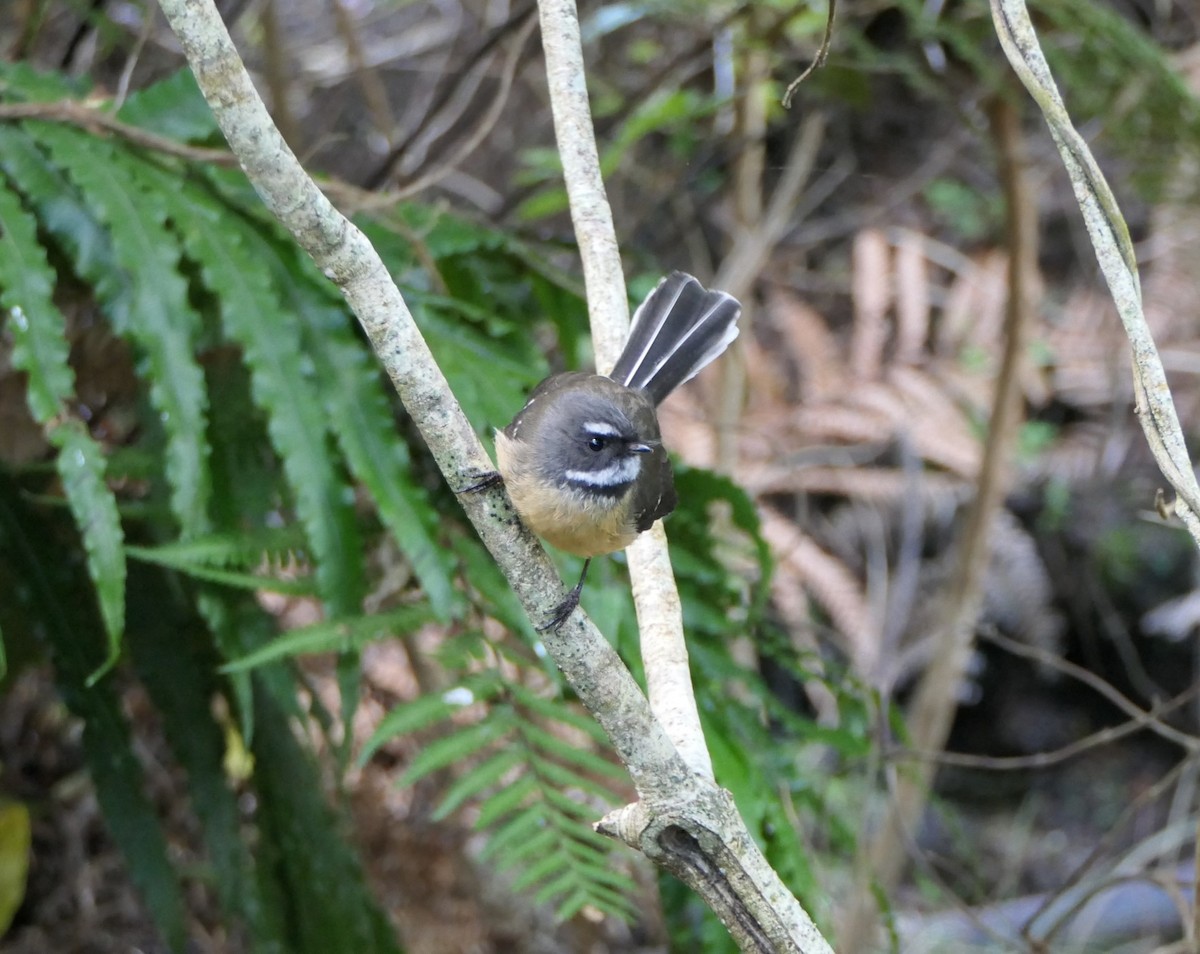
x=600 y=429
x=621 y=471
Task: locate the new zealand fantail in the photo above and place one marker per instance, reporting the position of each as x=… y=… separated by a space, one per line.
x=583 y=460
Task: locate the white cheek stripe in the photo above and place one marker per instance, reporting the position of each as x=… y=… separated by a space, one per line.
x=621 y=471
x=600 y=429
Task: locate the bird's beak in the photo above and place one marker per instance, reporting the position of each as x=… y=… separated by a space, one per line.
x=639 y=448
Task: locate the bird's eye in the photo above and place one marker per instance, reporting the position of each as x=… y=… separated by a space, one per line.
x=596 y=443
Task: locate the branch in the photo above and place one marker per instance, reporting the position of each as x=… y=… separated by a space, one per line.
x=656 y=597
x=1114 y=251
x=683 y=821
x=704 y=842
x=98 y=119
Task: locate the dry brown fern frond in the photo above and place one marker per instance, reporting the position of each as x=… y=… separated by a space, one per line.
x=913 y=296
x=973 y=314
x=871 y=292
x=1019 y=596
x=855 y=392
x=802 y=565
x=1089 y=358
x=909 y=547
x=875 y=485
x=875 y=424
x=811 y=346
x=941 y=426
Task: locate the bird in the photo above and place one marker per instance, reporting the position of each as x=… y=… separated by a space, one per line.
x=583 y=460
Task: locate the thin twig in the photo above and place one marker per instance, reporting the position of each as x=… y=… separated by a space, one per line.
x=483 y=126
x=818 y=60
x=148 y=16
x=1104 y=843
x=1038 y=760
x=98 y=119
x=1188 y=742
x=373 y=89
x=656 y=597
x=476 y=59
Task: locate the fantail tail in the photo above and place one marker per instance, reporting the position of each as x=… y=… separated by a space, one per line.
x=676 y=332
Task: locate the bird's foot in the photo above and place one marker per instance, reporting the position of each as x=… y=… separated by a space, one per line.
x=484 y=482
x=567 y=606
x=563 y=610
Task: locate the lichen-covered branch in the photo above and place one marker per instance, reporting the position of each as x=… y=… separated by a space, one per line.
x=656 y=597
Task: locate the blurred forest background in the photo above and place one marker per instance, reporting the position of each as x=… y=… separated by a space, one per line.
x=265 y=691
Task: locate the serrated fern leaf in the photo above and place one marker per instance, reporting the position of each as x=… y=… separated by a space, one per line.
x=601 y=874
x=38 y=328
x=61 y=212
x=555 y=711
x=528 y=840
x=283 y=385
x=154 y=312
x=457 y=746
x=375 y=453
x=239 y=580
x=23 y=82
x=40 y=350
x=355 y=398
x=81 y=466
x=562 y=750
x=275 y=546
x=575 y=902
x=341 y=635
x=563 y=803
x=533 y=873
x=506 y=801
x=174 y=107
x=429 y=709
x=569 y=779
x=477 y=780
x=235 y=560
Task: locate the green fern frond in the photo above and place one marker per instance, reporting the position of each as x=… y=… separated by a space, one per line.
x=487 y=775
x=153 y=311
x=172 y=107
x=459 y=744
x=497 y=812
x=431 y=709
x=337 y=636
x=282 y=375
x=40 y=350
x=277 y=547
x=21 y=82
x=526 y=781
x=37 y=326
x=236 y=579
x=366 y=432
